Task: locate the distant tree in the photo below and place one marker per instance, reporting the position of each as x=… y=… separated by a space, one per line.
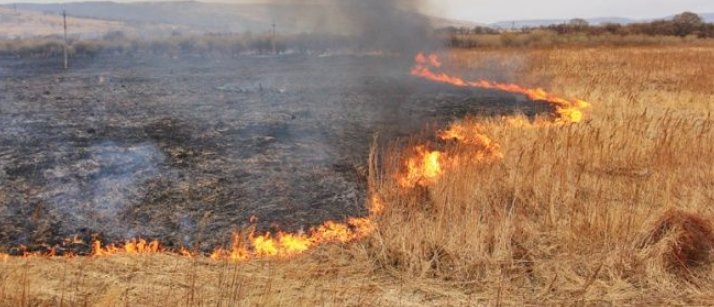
x=707 y=31
x=688 y=18
x=483 y=30
x=613 y=28
x=687 y=23
x=578 y=23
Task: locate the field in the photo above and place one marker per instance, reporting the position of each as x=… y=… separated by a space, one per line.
x=616 y=209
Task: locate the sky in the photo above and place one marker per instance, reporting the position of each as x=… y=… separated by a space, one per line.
x=487 y=11
x=505 y=10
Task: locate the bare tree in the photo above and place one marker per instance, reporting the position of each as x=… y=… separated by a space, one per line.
x=686 y=23
x=688 y=18
x=579 y=23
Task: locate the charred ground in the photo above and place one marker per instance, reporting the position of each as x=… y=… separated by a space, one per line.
x=187 y=149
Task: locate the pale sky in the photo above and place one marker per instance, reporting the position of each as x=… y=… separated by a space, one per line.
x=506 y=10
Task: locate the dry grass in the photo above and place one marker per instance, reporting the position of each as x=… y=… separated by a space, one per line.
x=550 y=39
x=617 y=209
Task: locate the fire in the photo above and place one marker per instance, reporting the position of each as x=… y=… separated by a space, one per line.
x=568 y=110
x=266 y=245
x=286 y=245
x=132 y=247
x=376 y=205
x=473 y=135
x=424 y=168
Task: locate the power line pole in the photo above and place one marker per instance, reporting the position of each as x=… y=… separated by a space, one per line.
x=64 y=18
x=273 y=39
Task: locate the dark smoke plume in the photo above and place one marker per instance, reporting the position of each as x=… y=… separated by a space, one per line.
x=386 y=25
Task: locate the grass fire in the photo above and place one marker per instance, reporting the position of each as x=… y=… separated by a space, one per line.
x=379 y=153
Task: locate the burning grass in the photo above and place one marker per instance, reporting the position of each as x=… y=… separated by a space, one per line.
x=563 y=214
x=614 y=209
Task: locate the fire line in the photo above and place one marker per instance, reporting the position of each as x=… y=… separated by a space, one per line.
x=423 y=168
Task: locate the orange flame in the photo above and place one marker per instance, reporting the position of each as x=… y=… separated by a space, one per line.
x=376 y=205
x=132 y=247
x=568 y=110
x=423 y=168
x=267 y=245
x=472 y=135
x=285 y=245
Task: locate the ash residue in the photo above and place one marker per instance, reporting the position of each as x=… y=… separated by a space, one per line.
x=97 y=188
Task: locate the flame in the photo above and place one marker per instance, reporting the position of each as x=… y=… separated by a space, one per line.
x=376 y=205
x=132 y=247
x=474 y=136
x=266 y=245
x=423 y=168
x=568 y=110
x=286 y=245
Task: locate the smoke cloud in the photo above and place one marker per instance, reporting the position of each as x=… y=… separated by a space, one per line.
x=389 y=25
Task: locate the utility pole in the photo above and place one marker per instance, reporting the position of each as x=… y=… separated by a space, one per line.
x=275 y=51
x=64 y=18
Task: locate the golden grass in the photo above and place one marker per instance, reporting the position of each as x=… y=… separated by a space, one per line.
x=617 y=209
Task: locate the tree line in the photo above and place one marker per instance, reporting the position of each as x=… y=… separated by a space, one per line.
x=682 y=25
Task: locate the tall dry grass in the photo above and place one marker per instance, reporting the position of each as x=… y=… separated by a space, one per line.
x=615 y=210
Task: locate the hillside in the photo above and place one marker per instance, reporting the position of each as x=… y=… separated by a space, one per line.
x=202 y=16
x=27 y=23
x=217 y=17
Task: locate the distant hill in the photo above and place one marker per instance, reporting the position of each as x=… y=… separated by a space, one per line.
x=202 y=16
x=27 y=23
x=547 y=22
x=438 y=22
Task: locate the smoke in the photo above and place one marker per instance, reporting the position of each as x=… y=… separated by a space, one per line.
x=385 y=25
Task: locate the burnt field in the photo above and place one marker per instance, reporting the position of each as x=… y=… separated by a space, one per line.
x=186 y=150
